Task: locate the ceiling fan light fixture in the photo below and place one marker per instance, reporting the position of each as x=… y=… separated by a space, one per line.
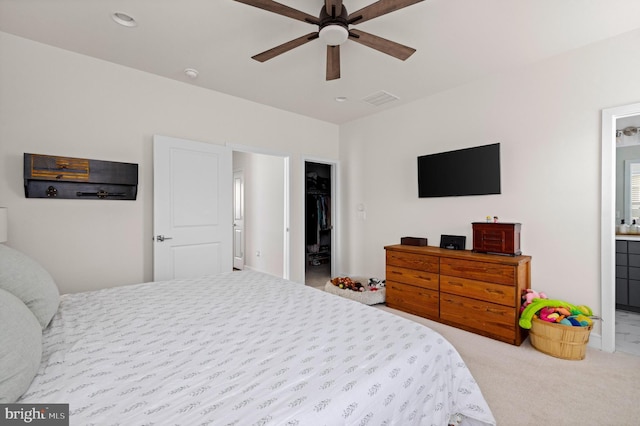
x=334 y=23
x=334 y=34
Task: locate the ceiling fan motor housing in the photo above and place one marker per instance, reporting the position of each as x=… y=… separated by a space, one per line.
x=326 y=19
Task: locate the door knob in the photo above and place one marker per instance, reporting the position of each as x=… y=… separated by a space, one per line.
x=161 y=238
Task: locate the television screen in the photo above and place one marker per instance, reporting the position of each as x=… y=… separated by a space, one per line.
x=470 y=171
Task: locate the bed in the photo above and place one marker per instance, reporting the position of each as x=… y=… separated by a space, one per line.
x=239 y=348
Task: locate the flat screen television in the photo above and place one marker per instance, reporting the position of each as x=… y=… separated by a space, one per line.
x=469 y=171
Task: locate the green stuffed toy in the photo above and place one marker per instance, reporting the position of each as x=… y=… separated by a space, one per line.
x=537 y=304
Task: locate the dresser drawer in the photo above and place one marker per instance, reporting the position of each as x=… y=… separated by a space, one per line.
x=633 y=247
x=622 y=291
x=495 y=293
x=415 y=300
x=413 y=261
x=622 y=259
x=634 y=273
x=622 y=272
x=634 y=260
x=491 y=241
x=482 y=317
x=621 y=246
x=414 y=277
x=482 y=271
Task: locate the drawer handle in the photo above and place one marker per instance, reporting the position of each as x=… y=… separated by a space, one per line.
x=470 y=269
x=451 y=301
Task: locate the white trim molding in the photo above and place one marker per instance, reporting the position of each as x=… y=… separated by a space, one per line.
x=607 y=224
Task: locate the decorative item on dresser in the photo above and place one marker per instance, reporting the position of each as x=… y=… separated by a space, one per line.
x=413 y=241
x=496 y=238
x=476 y=292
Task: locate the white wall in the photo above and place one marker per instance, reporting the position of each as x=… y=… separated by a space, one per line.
x=61 y=103
x=547 y=119
x=264 y=210
x=546 y=116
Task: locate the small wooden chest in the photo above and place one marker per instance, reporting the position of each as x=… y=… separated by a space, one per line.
x=497 y=238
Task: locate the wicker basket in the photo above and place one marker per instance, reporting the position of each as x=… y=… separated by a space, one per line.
x=558 y=340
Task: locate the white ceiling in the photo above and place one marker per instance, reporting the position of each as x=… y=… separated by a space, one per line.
x=457 y=41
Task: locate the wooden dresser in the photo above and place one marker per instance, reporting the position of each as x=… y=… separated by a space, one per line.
x=476 y=292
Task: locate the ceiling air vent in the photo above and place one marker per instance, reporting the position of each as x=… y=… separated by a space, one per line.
x=380 y=98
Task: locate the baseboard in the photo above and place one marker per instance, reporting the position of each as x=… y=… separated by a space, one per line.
x=595 y=341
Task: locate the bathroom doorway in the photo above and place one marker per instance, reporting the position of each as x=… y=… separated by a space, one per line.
x=610 y=117
x=627 y=245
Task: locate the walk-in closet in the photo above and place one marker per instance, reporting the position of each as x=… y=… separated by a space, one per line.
x=318 y=223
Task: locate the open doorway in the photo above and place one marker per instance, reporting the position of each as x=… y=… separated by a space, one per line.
x=610 y=117
x=627 y=245
x=261 y=228
x=320 y=239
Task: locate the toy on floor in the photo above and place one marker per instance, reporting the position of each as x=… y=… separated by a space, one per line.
x=376 y=284
x=347 y=283
x=556 y=311
x=528 y=296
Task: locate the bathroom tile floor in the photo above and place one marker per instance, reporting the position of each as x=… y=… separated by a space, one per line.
x=628 y=332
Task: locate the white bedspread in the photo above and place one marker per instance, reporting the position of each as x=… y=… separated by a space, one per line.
x=244 y=348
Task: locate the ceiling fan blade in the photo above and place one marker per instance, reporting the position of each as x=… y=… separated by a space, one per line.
x=379 y=8
x=331 y=4
x=281 y=9
x=333 y=62
x=284 y=47
x=380 y=44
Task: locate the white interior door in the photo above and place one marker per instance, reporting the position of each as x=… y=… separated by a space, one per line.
x=191 y=208
x=238 y=219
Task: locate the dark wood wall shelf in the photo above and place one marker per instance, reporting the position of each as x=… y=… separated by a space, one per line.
x=48 y=176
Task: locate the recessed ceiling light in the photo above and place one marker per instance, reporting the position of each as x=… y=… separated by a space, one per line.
x=124 y=19
x=191 y=73
x=341 y=98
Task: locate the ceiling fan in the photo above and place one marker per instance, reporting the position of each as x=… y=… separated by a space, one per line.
x=333 y=28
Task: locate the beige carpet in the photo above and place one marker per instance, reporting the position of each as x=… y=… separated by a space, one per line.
x=525 y=387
